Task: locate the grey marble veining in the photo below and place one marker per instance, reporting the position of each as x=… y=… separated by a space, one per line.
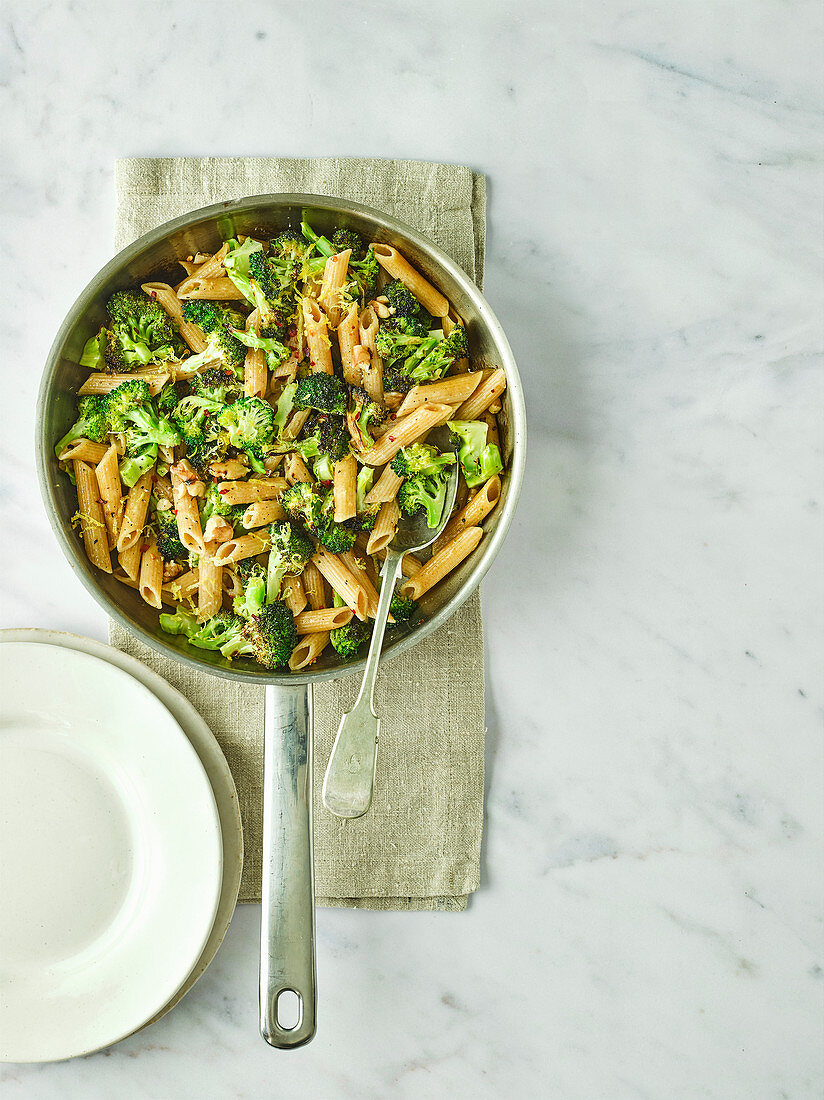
x=649 y=923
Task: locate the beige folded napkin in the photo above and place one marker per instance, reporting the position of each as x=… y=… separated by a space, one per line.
x=419 y=845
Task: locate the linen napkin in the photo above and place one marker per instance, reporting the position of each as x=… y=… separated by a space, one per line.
x=418 y=847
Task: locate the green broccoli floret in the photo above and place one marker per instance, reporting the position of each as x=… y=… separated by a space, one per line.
x=141 y=332
x=402 y=326
x=192 y=415
x=93 y=351
x=214 y=505
x=363 y=414
x=479 y=460
x=323 y=392
x=420 y=458
x=423 y=493
x=322 y=244
x=216 y=321
x=324 y=469
x=140 y=457
x=421 y=358
x=129 y=406
x=290 y=551
x=167 y=399
x=91 y=422
x=363 y=277
x=181 y=622
x=250 y=423
x=336 y=537
x=275 y=352
x=224 y=632
x=236 y=262
x=273 y=635
x=253 y=597
x=347 y=640
x=217 y=384
x=274 y=291
x=234 y=641
x=168 y=540
x=303 y=502
x=403 y=609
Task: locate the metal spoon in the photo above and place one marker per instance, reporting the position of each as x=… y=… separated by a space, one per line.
x=350 y=774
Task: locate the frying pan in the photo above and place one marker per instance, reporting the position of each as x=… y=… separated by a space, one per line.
x=287 y=925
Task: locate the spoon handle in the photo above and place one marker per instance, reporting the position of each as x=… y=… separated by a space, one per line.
x=350 y=774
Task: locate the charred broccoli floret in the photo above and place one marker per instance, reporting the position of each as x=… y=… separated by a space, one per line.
x=201 y=452
x=274 y=291
x=307 y=505
x=168 y=540
x=323 y=392
x=217 y=384
x=273 y=635
x=362 y=416
x=289 y=552
x=91 y=422
x=402 y=302
x=348 y=238
x=289 y=245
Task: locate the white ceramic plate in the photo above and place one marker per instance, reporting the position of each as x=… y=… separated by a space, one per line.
x=110 y=854
x=211 y=757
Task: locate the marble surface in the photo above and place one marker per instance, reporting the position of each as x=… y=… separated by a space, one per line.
x=649 y=924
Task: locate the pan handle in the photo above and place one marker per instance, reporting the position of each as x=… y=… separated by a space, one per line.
x=287 y=927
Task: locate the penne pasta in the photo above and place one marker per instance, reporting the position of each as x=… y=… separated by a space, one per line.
x=294 y=595
x=348 y=336
x=92 y=524
x=477 y=509
x=385 y=488
x=154 y=378
x=209 y=269
x=183 y=586
x=210 y=587
x=308 y=649
x=134 y=514
x=296 y=422
x=255 y=372
x=245 y=546
x=314 y=586
x=316 y=331
x=219 y=289
x=344 y=487
x=261 y=513
x=450 y=391
x=385 y=526
x=358 y=570
x=397 y=266
x=107 y=473
x=248 y=492
x=296 y=469
x=84 y=450
x=129 y=561
x=327 y=618
x=447 y=559
x=163 y=293
x=331 y=288
x=489 y=390
x=349 y=587
x=187 y=515
x=407 y=429
x=151 y=576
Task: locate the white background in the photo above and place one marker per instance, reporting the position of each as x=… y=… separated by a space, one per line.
x=649 y=923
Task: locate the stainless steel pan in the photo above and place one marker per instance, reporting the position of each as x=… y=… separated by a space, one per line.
x=287 y=927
